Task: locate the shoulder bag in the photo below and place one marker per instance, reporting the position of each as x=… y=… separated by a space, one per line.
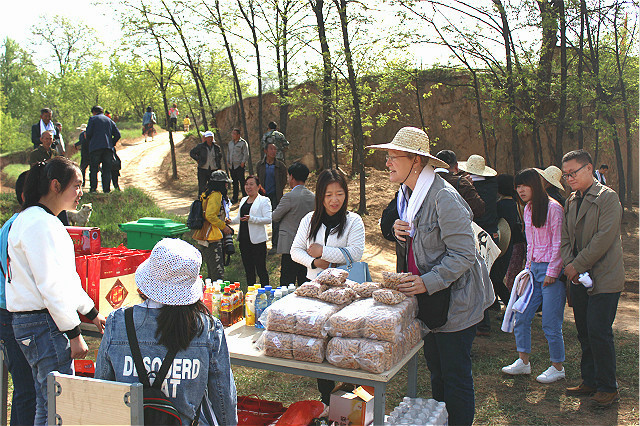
x=358 y=271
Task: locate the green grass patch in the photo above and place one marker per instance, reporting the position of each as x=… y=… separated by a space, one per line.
x=12 y=171
x=8 y=206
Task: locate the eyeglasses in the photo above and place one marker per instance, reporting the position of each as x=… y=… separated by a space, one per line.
x=573 y=174
x=393 y=157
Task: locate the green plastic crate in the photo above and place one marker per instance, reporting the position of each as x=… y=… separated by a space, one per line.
x=145 y=232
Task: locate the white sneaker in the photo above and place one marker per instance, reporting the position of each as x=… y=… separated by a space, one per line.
x=551 y=375
x=518 y=367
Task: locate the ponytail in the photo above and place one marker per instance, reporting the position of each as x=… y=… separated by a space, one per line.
x=41 y=174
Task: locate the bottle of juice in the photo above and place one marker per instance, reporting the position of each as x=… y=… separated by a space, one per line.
x=241 y=299
x=250 y=306
x=225 y=308
x=216 y=297
x=234 y=303
x=272 y=295
x=261 y=304
x=206 y=298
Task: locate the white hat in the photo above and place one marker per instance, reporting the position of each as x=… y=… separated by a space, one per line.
x=83 y=126
x=414 y=140
x=476 y=165
x=171 y=275
x=207 y=134
x=551 y=174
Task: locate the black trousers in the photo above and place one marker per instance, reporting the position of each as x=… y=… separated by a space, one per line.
x=291 y=271
x=203 y=178
x=237 y=176
x=173 y=123
x=275 y=226
x=254 y=260
x=99 y=157
x=594 y=317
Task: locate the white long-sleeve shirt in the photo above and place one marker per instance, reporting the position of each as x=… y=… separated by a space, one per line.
x=42 y=269
x=352 y=239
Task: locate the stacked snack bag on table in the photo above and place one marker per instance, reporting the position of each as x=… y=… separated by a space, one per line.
x=375 y=333
x=295 y=328
x=371 y=325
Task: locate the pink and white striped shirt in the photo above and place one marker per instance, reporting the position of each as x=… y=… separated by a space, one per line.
x=543 y=244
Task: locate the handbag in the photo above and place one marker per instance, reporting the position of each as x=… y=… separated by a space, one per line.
x=358 y=271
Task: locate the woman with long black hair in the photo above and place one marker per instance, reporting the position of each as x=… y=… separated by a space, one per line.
x=215 y=206
x=174 y=321
x=543 y=228
x=43 y=289
x=328 y=228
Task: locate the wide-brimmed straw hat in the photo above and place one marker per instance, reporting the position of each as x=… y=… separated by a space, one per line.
x=504 y=235
x=476 y=165
x=413 y=140
x=551 y=174
x=171 y=275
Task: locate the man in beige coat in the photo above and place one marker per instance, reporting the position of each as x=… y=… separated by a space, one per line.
x=591 y=244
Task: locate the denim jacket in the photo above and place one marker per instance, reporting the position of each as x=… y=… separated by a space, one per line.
x=445 y=253
x=204 y=369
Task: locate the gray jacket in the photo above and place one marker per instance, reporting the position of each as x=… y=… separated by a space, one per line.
x=238 y=153
x=293 y=206
x=445 y=253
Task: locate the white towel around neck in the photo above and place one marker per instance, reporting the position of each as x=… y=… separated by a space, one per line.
x=408 y=212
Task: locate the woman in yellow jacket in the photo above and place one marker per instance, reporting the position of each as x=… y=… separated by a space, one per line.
x=215 y=206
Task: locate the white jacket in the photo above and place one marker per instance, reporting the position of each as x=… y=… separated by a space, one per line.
x=42 y=268
x=352 y=239
x=517 y=303
x=259 y=216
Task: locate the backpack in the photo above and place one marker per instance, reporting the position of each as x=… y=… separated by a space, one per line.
x=196 y=215
x=158 y=408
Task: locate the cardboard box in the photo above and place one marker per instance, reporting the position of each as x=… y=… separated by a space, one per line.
x=86 y=240
x=109 y=278
x=351 y=407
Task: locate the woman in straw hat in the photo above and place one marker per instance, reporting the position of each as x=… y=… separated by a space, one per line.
x=172 y=320
x=543 y=227
x=447 y=274
x=551 y=182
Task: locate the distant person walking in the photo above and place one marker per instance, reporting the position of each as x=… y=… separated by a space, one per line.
x=277 y=138
x=173 y=117
x=42 y=126
x=186 y=123
x=209 y=157
x=600 y=174
x=83 y=146
x=58 y=140
x=237 y=157
x=148 y=120
x=102 y=134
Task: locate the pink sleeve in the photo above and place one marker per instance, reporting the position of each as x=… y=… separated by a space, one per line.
x=554 y=219
x=528 y=231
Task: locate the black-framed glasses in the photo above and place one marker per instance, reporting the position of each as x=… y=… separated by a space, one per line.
x=393 y=157
x=573 y=174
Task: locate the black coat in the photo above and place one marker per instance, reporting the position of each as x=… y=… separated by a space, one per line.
x=488 y=191
x=201 y=151
x=389 y=216
x=35 y=134
x=101 y=133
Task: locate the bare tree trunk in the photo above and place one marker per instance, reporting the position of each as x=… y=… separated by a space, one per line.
x=243 y=117
x=317 y=7
x=583 y=12
x=358 y=135
x=418 y=100
x=562 y=109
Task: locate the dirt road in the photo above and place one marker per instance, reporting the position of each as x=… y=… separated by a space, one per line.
x=141 y=163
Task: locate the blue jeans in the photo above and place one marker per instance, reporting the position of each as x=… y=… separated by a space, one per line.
x=553 y=298
x=594 y=317
x=23 y=403
x=46 y=349
x=448 y=357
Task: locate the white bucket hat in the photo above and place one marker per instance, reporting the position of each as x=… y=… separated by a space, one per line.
x=551 y=174
x=414 y=140
x=476 y=165
x=83 y=127
x=171 y=275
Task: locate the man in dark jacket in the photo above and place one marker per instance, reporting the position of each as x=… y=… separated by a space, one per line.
x=209 y=157
x=460 y=183
x=272 y=174
x=43 y=125
x=102 y=135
